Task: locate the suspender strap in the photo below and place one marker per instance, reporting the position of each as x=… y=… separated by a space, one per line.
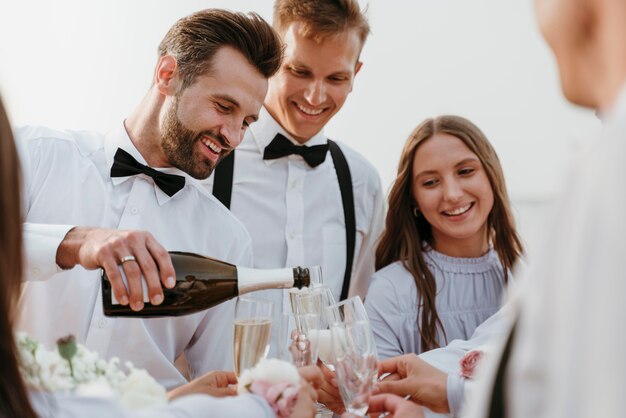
x=347 y=198
x=223 y=189
x=223 y=179
x=497 y=408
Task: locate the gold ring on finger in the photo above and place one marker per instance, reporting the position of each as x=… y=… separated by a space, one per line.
x=127 y=258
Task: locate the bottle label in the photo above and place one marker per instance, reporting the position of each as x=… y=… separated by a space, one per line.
x=144 y=287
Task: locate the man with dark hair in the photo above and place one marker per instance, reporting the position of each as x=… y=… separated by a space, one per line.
x=304 y=198
x=208 y=87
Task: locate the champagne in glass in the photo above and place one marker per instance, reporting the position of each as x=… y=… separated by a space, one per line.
x=312 y=302
x=253 y=325
x=322 y=339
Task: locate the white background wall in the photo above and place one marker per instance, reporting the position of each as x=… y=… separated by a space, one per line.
x=86 y=64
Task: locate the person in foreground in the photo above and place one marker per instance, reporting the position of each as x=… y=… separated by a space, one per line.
x=449 y=242
x=564 y=357
x=288 y=186
x=190 y=400
x=135 y=191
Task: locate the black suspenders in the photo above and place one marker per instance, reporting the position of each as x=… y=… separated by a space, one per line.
x=347 y=198
x=223 y=188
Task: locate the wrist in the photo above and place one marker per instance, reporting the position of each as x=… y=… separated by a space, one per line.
x=67 y=252
x=435 y=393
x=441 y=386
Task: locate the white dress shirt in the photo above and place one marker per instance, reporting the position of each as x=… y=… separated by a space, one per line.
x=568 y=357
x=294 y=213
x=68 y=183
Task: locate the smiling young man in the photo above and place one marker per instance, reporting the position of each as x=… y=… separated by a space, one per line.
x=208 y=86
x=301 y=203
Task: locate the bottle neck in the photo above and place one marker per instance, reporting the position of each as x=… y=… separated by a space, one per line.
x=250 y=280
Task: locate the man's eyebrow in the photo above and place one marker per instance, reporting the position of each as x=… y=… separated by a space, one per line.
x=228 y=98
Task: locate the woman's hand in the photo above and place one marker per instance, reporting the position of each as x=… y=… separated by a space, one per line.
x=217 y=384
x=412 y=376
x=328 y=392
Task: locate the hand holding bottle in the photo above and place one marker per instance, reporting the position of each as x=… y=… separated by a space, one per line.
x=138 y=253
x=203 y=282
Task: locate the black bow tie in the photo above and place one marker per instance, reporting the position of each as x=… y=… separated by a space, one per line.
x=125 y=165
x=281 y=147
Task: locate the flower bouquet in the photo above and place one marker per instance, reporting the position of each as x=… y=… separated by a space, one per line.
x=277 y=381
x=74 y=369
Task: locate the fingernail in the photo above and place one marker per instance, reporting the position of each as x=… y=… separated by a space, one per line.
x=137 y=306
x=124 y=300
x=157 y=299
x=170 y=282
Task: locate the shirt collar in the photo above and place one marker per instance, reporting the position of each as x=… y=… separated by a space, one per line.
x=265 y=129
x=118 y=138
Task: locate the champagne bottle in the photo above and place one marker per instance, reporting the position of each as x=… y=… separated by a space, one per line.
x=203 y=282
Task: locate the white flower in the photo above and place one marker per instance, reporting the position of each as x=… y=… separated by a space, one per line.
x=98 y=388
x=140 y=390
x=271 y=371
x=89 y=375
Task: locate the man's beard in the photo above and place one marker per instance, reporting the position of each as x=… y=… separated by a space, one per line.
x=179 y=145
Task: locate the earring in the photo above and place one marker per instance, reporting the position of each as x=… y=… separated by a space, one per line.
x=416 y=212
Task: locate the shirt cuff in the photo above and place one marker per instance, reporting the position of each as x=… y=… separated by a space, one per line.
x=41 y=242
x=456 y=389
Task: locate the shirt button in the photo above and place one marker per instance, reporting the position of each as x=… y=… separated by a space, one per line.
x=35 y=271
x=292 y=234
x=102 y=323
x=134 y=211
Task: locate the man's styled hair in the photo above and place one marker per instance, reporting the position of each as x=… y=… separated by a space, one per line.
x=321 y=18
x=194 y=40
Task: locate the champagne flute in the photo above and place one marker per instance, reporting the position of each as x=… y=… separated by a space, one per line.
x=321 y=336
x=253 y=325
x=310 y=307
x=354 y=353
x=294 y=343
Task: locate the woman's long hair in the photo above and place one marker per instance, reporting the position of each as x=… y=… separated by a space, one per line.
x=14 y=400
x=404 y=233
